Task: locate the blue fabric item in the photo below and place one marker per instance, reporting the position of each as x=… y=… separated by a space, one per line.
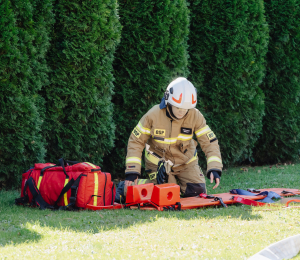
x=162 y=103
x=273 y=195
x=241 y=192
x=270 y=195
x=120 y=197
x=267 y=200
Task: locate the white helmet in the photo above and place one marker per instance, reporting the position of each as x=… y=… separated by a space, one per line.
x=181 y=93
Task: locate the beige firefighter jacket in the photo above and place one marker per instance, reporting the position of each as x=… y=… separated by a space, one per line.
x=172 y=139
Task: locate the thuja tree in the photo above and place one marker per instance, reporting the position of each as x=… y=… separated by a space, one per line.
x=22 y=75
x=281 y=125
x=153 y=51
x=228 y=43
x=79 y=122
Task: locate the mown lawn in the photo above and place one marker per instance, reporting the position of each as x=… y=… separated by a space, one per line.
x=237 y=232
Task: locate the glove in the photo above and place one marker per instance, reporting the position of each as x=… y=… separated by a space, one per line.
x=129 y=179
x=215 y=173
x=161 y=173
x=131 y=176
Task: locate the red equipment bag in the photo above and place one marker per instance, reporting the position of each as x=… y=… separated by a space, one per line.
x=67 y=185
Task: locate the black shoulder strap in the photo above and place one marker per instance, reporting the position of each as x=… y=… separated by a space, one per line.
x=112 y=194
x=73 y=185
x=62 y=163
x=22 y=201
x=37 y=197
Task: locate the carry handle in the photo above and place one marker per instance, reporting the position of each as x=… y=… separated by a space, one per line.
x=62 y=163
x=71 y=162
x=44 y=169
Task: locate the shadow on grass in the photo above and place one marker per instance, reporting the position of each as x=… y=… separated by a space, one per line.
x=14 y=219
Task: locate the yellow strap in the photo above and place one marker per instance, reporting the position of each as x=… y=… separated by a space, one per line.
x=90 y=164
x=151 y=158
x=152 y=175
x=133 y=160
x=214 y=159
x=193 y=158
x=202 y=131
x=142 y=181
x=39 y=182
x=96 y=188
x=66 y=195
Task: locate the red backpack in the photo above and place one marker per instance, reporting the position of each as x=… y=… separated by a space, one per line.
x=67 y=185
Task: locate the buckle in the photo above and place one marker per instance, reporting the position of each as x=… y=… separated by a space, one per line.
x=152 y=175
x=74 y=187
x=72 y=199
x=74 y=190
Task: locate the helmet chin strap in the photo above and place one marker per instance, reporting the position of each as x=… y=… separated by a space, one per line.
x=169 y=108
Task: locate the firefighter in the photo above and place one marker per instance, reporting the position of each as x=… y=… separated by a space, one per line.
x=166 y=132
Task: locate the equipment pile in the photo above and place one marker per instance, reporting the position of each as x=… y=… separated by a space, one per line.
x=72 y=185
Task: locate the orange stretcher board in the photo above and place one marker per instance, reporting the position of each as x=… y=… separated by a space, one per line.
x=197 y=202
x=279 y=191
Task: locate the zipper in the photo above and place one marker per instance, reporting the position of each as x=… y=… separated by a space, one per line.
x=112 y=194
x=104 y=189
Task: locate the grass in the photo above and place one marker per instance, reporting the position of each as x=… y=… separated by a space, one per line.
x=237 y=232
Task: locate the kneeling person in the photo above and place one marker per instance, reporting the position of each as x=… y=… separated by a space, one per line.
x=167 y=132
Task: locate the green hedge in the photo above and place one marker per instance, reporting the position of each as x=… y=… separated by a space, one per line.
x=79 y=122
x=281 y=125
x=153 y=51
x=23 y=44
x=228 y=43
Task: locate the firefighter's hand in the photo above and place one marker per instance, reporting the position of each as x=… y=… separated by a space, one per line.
x=215 y=176
x=129 y=183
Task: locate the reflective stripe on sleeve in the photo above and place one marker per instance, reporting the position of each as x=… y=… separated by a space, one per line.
x=214 y=159
x=133 y=160
x=143 y=130
x=202 y=131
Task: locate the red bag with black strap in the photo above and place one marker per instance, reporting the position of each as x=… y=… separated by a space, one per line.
x=66 y=185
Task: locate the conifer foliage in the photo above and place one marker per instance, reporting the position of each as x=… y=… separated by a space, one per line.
x=23 y=45
x=281 y=125
x=228 y=43
x=153 y=51
x=79 y=122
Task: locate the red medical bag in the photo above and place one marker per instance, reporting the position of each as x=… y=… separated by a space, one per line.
x=66 y=185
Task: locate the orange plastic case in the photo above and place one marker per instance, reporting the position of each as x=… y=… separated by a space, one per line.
x=166 y=194
x=139 y=193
